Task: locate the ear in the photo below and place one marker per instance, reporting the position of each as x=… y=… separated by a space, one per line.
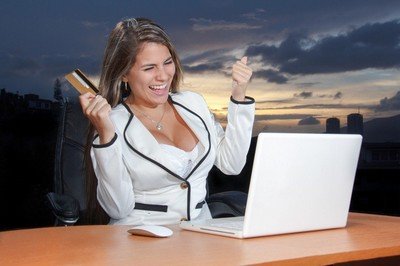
x=124 y=78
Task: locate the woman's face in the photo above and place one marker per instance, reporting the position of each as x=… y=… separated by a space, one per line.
x=151 y=76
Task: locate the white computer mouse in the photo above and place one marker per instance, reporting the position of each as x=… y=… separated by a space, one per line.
x=151 y=230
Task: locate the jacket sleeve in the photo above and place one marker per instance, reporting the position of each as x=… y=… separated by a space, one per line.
x=234 y=143
x=114 y=189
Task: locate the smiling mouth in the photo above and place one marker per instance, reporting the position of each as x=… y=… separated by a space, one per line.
x=158 y=87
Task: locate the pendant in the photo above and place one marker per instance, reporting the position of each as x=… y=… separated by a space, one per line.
x=159 y=126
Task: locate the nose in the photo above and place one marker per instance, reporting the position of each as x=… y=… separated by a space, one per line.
x=161 y=74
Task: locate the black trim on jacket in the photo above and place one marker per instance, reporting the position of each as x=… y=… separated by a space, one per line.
x=111 y=142
x=244 y=102
x=160 y=208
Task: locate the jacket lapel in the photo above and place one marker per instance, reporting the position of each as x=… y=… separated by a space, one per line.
x=195 y=123
x=142 y=142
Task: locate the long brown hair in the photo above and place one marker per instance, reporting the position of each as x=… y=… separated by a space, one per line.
x=123 y=45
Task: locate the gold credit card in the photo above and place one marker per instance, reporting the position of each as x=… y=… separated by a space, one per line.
x=80 y=82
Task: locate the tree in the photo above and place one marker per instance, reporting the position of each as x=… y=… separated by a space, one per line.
x=58 y=96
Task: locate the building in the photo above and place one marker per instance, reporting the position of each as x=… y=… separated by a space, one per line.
x=355 y=124
x=34 y=103
x=333 y=125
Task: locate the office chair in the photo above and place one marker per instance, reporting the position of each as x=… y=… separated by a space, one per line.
x=68 y=201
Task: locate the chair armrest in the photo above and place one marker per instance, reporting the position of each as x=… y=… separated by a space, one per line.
x=227 y=204
x=64 y=207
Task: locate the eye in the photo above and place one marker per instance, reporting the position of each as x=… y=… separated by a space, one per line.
x=148 y=68
x=168 y=62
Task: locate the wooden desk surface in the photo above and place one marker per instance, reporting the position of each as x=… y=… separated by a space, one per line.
x=365 y=237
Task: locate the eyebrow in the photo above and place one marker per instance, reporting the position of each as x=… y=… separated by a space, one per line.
x=152 y=65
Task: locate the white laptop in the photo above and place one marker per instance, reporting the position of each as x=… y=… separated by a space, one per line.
x=299 y=182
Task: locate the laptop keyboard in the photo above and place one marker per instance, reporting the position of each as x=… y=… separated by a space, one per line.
x=236 y=225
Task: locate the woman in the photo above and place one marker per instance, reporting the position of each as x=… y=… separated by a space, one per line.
x=153 y=149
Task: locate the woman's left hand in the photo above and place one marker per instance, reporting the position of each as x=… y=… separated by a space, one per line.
x=241 y=74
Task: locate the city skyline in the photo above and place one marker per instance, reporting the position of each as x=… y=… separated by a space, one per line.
x=312 y=59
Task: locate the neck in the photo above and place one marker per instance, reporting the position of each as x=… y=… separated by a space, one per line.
x=153 y=111
x=145 y=106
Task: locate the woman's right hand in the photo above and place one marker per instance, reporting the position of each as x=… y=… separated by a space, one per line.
x=97 y=110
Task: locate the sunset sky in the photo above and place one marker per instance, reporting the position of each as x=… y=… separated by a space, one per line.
x=311 y=59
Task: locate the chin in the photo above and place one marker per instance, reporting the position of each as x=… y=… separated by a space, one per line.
x=159 y=99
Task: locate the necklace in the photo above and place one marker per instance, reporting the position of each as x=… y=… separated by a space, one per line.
x=159 y=125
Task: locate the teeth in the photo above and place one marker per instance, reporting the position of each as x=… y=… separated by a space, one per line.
x=158 y=87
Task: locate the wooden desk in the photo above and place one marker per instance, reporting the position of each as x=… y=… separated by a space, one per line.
x=365 y=237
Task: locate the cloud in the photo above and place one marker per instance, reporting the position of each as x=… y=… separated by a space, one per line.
x=195 y=58
x=309 y=121
x=310 y=94
x=204 y=25
x=214 y=60
x=271 y=76
x=18 y=66
x=389 y=104
x=287 y=100
x=304 y=94
x=257 y=15
x=282 y=117
x=338 y=95
x=41 y=71
x=322 y=106
x=306 y=84
x=200 y=68
x=369 y=46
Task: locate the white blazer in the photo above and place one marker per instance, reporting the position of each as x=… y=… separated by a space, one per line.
x=137 y=183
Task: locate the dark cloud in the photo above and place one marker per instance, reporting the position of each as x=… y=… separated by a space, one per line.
x=306 y=84
x=335 y=96
x=23 y=72
x=389 y=104
x=370 y=46
x=282 y=117
x=288 y=50
x=265 y=118
x=195 y=58
x=18 y=66
x=216 y=66
x=288 y=100
x=310 y=94
x=203 y=25
x=256 y=15
x=338 y=95
x=322 y=106
x=213 y=60
x=304 y=94
x=271 y=76
x=309 y=121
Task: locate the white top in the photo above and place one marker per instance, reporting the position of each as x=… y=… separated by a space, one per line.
x=184 y=161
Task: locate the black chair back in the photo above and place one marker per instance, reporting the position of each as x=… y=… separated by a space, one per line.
x=69 y=170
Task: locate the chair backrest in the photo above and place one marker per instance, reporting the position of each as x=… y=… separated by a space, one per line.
x=69 y=171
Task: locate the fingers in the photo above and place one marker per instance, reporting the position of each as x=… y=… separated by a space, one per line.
x=84 y=100
x=97 y=108
x=241 y=73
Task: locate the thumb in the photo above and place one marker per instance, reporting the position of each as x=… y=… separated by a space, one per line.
x=244 y=60
x=84 y=99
